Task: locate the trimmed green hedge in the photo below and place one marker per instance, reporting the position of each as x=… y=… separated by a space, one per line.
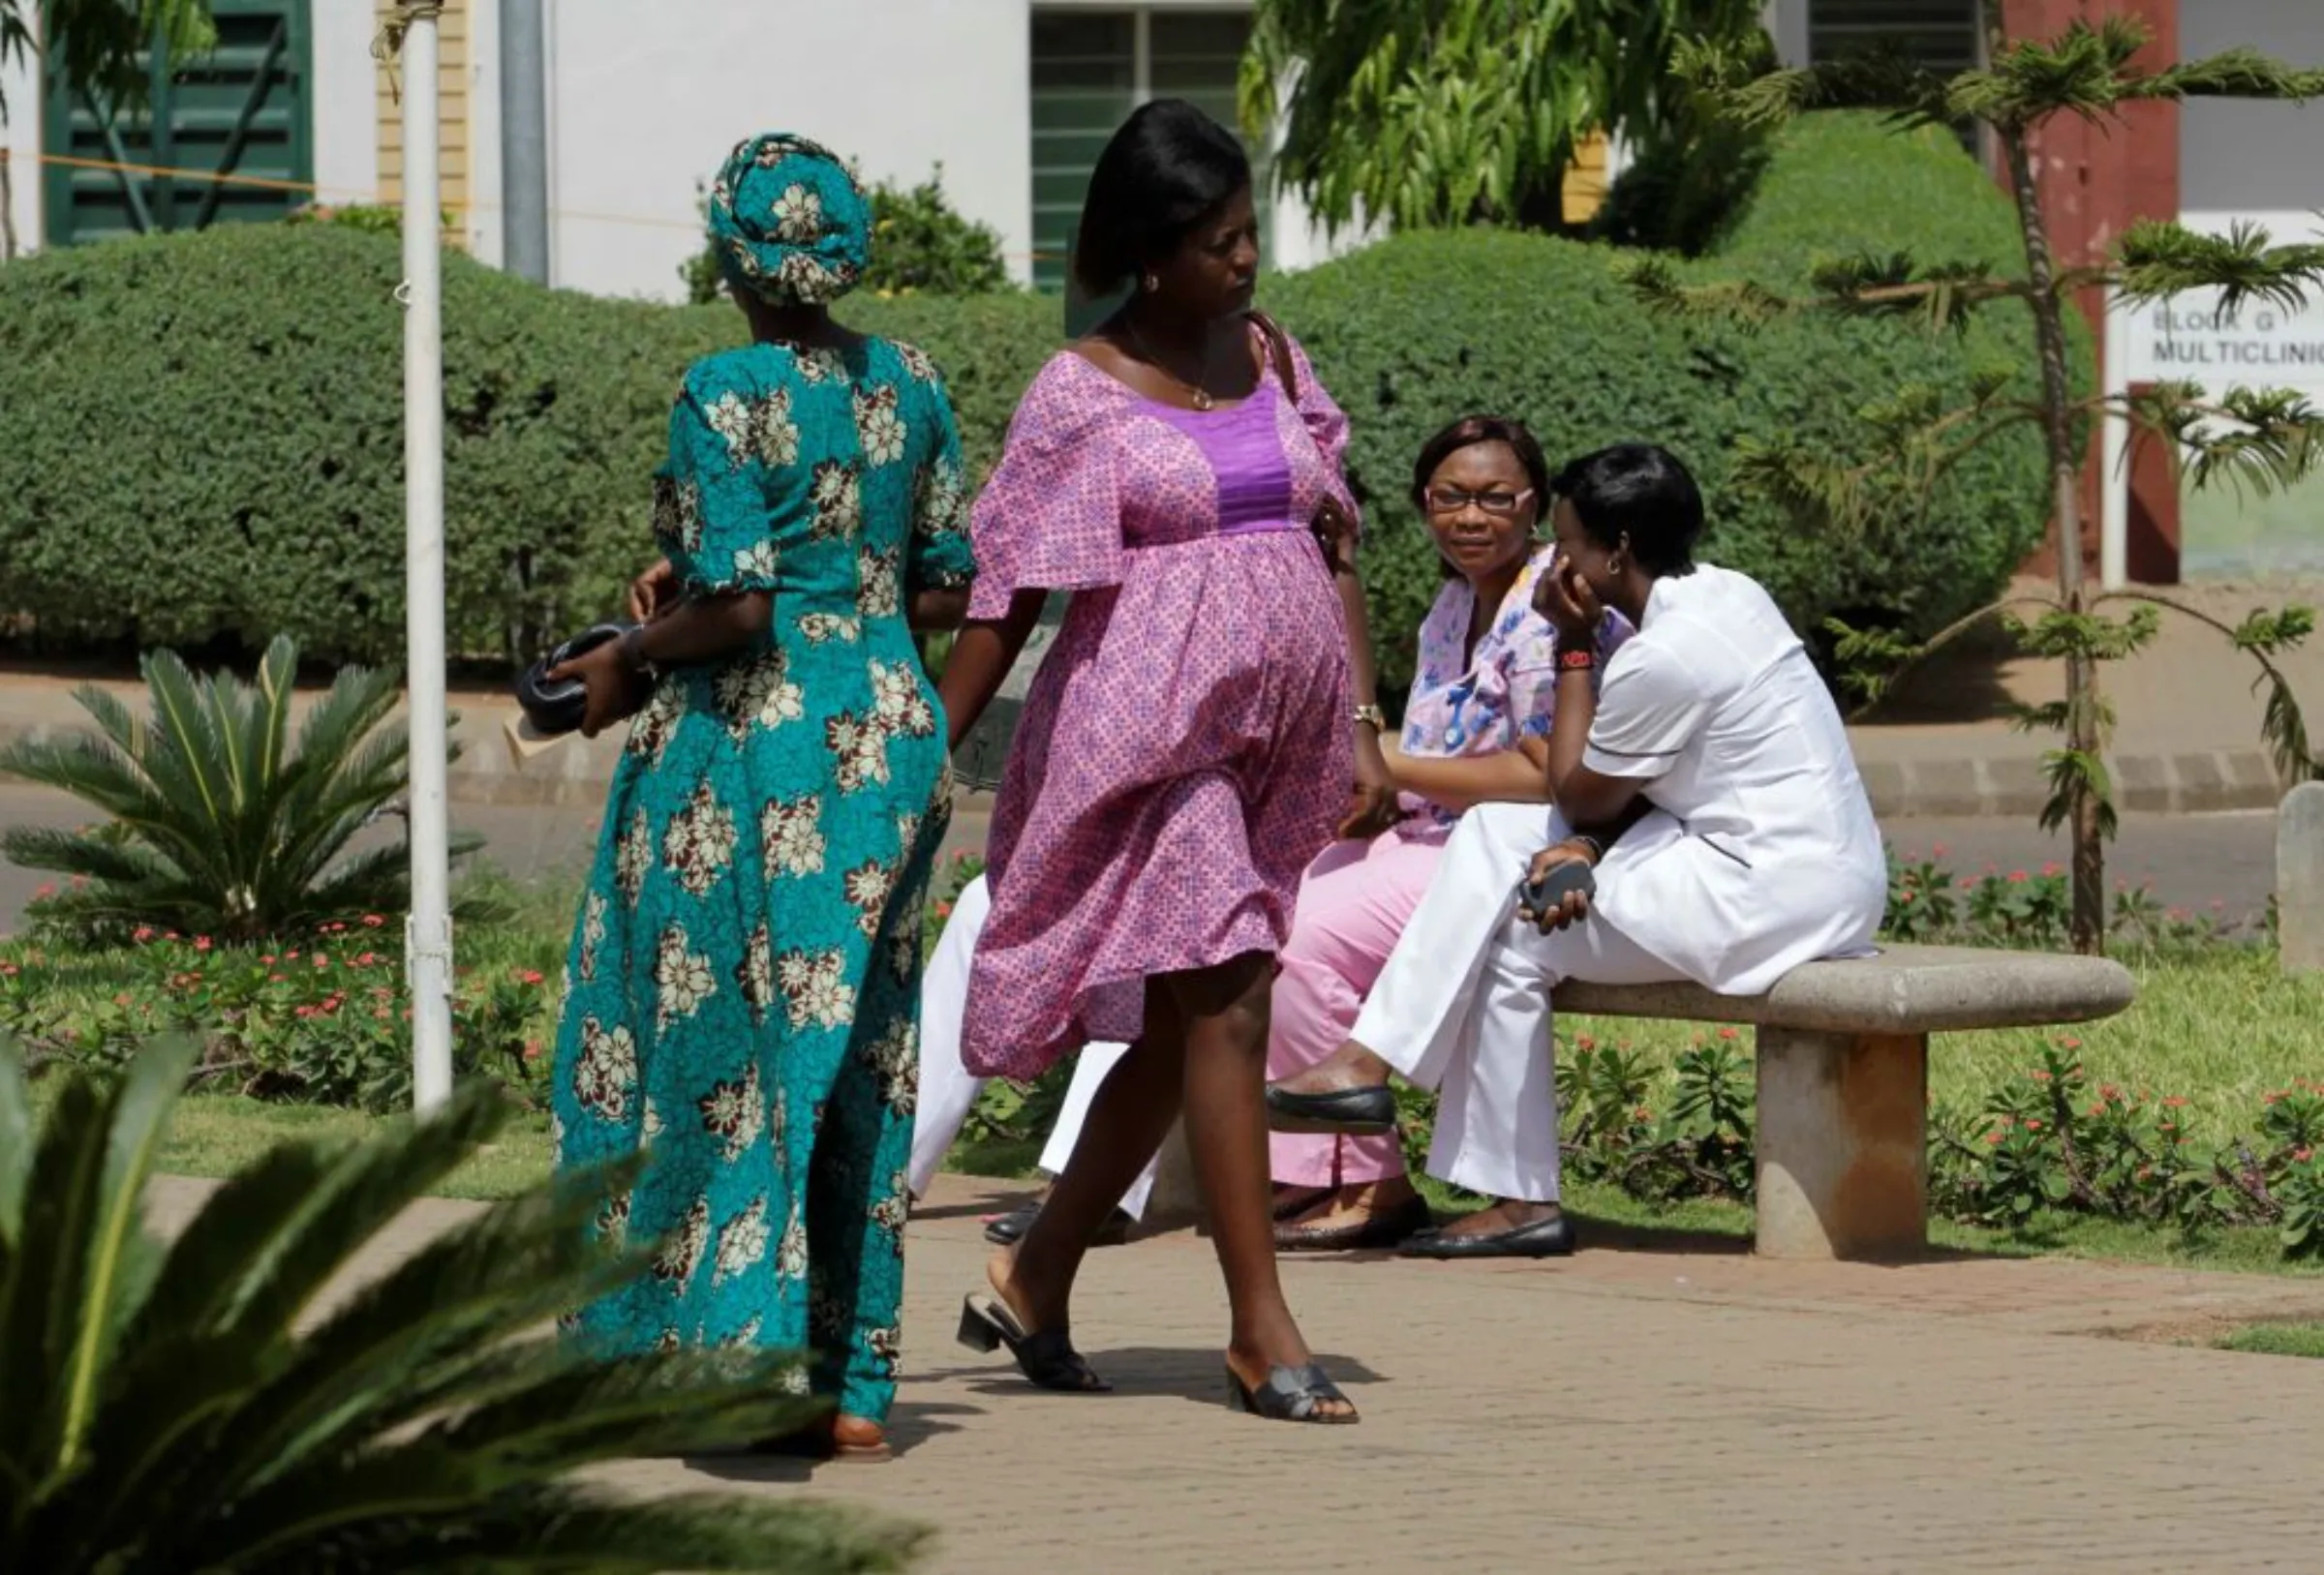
x=201 y=436
x=1423 y=327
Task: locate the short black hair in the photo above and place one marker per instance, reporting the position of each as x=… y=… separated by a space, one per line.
x=1168 y=168
x=1467 y=432
x=1639 y=491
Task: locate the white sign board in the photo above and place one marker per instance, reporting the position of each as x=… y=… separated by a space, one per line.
x=2192 y=338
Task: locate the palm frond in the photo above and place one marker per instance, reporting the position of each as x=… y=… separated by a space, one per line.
x=2157 y=258
x=2231 y=73
x=187 y=1417
x=219 y=823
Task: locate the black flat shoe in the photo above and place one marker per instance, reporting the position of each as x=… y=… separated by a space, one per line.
x=1010 y=1228
x=1359 y=1112
x=1291 y=1394
x=1388 y=1228
x=1046 y=1357
x=1544 y=1238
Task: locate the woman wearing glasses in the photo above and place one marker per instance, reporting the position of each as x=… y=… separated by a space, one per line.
x=1475 y=731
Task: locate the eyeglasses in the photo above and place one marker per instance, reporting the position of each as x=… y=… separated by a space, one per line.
x=1451 y=500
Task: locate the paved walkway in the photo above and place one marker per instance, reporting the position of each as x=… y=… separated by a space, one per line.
x=1636 y=1408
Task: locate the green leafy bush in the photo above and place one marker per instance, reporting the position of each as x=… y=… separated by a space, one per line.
x=1417 y=330
x=201 y=438
x=204 y=1406
x=320 y=1019
x=921 y=244
x=236 y=396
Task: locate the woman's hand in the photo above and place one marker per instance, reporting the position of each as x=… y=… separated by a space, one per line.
x=614 y=689
x=1569 y=604
x=653 y=592
x=1335 y=533
x=1372 y=809
x=1574 y=905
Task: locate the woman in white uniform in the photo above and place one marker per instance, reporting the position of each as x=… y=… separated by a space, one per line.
x=1708 y=778
x=948 y=1090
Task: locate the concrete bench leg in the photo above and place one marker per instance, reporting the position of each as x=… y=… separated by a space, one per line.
x=1842 y=1145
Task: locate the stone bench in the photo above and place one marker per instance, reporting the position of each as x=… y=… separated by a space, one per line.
x=1843 y=1051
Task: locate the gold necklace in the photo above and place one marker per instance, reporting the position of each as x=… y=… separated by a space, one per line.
x=1201 y=396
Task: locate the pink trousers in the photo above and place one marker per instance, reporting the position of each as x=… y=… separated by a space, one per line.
x=1354 y=903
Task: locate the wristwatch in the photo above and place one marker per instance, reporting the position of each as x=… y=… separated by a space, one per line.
x=1372 y=714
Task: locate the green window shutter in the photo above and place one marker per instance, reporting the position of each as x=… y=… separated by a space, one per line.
x=1085 y=80
x=1196 y=57
x=1938 y=34
x=1083 y=85
x=242 y=110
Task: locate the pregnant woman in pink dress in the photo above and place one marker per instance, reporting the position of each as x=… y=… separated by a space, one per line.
x=1203 y=727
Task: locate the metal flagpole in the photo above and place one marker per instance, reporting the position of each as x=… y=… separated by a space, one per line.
x=428 y=928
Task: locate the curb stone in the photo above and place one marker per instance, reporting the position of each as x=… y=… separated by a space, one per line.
x=2008 y=786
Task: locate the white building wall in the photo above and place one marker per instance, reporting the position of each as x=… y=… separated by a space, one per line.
x=640 y=110
x=2261 y=161
x=343 y=116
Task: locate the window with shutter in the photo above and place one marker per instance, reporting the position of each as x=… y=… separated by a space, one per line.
x=240 y=110
x=1089 y=70
x=1938 y=34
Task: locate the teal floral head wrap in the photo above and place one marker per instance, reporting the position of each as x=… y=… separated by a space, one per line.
x=788 y=222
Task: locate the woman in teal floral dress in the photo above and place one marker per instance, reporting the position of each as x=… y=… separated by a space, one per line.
x=742 y=976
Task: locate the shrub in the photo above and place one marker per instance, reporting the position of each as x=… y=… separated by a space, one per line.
x=200 y=1405
x=223 y=823
x=920 y=245
x=322 y=1019
x=1419 y=329
x=201 y=438
x=242 y=389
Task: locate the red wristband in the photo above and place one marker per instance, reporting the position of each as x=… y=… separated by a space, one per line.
x=1579 y=659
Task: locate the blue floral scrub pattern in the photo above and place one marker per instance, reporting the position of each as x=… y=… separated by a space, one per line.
x=744 y=973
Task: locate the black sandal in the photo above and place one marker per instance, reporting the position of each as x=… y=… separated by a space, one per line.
x=1353 y=1113
x=1010 y=1228
x=1046 y=1356
x=1291 y=1394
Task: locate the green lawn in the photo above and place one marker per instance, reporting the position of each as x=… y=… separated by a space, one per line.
x=216 y=1134
x=2277 y=1340
x=2220 y=1027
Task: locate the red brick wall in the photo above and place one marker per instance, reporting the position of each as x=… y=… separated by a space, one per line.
x=2096 y=179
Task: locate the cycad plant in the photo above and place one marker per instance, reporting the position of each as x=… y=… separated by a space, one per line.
x=202 y=1406
x=221 y=824
x=2248 y=437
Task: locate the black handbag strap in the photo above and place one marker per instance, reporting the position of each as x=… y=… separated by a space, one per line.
x=1278 y=351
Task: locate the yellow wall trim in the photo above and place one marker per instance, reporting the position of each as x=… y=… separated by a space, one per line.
x=452 y=161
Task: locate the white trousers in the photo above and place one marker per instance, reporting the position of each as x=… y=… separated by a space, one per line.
x=1463 y=1005
x=948 y=1091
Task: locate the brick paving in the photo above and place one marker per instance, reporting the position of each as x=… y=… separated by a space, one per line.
x=1638 y=1407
